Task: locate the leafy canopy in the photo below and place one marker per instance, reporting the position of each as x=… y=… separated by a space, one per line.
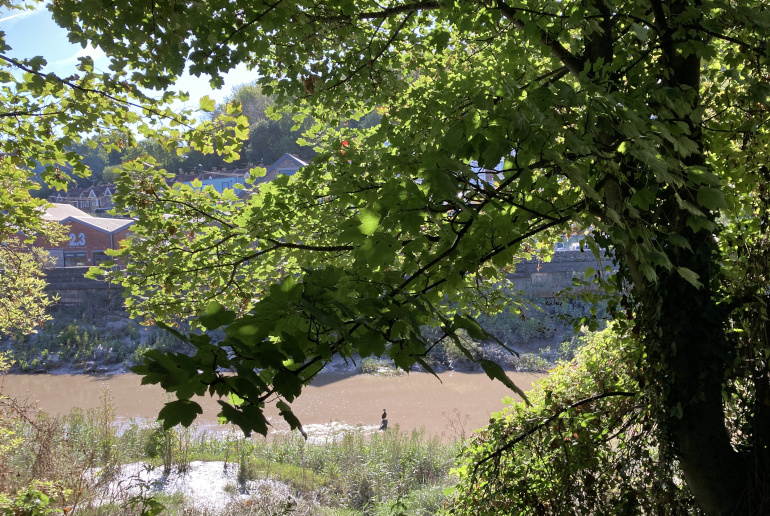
x=645 y=121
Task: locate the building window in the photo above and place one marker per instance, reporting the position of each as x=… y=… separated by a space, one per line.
x=100 y=257
x=75 y=259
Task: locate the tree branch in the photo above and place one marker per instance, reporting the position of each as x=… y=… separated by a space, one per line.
x=510 y=444
x=374 y=59
x=18 y=64
x=386 y=13
x=573 y=63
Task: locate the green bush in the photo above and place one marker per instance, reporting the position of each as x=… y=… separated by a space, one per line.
x=359 y=472
x=67 y=341
x=33 y=500
x=530 y=362
x=424 y=501
x=576 y=449
x=569 y=348
x=378 y=366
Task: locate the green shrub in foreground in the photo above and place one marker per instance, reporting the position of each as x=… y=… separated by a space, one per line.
x=586 y=445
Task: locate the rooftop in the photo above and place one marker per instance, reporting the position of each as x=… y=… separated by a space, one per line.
x=60 y=211
x=105 y=224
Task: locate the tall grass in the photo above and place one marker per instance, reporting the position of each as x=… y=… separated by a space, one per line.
x=355 y=471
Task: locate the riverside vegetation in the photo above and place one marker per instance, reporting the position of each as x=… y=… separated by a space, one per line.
x=94 y=336
x=97 y=336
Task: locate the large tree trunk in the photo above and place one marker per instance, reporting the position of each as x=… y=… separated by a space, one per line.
x=685 y=325
x=694 y=353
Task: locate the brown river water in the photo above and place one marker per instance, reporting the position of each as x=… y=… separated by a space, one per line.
x=460 y=402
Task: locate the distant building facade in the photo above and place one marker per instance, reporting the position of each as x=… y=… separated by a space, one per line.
x=88 y=238
x=91 y=235
x=288 y=165
x=94 y=200
x=222 y=180
x=98 y=200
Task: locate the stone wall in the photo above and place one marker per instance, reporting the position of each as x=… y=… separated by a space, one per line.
x=72 y=287
x=535 y=278
x=545 y=279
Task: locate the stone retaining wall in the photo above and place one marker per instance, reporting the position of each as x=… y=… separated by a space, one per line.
x=535 y=278
x=545 y=279
x=72 y=287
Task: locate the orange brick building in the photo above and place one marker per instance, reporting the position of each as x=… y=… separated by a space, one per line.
x=88 y=237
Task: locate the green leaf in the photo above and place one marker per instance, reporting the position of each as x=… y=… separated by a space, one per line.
x=679 y=241
x=216 y=316
x=370 y=221
x=425 y=365
x=689 y=276
x=250 y=418
x=618 y=235
x=711 y=198
x=495 y=372
x=475 y=331
x=179 y=412
x=455 y=136
x=207 y=104
x=640 y=32
x=371 y=343
x=286 y=413
x=698 y=223
x=643 y=198
x=152 y=507
x=172 y=331
x=287 y=384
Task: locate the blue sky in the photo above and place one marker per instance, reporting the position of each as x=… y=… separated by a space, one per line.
x=33 y=33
